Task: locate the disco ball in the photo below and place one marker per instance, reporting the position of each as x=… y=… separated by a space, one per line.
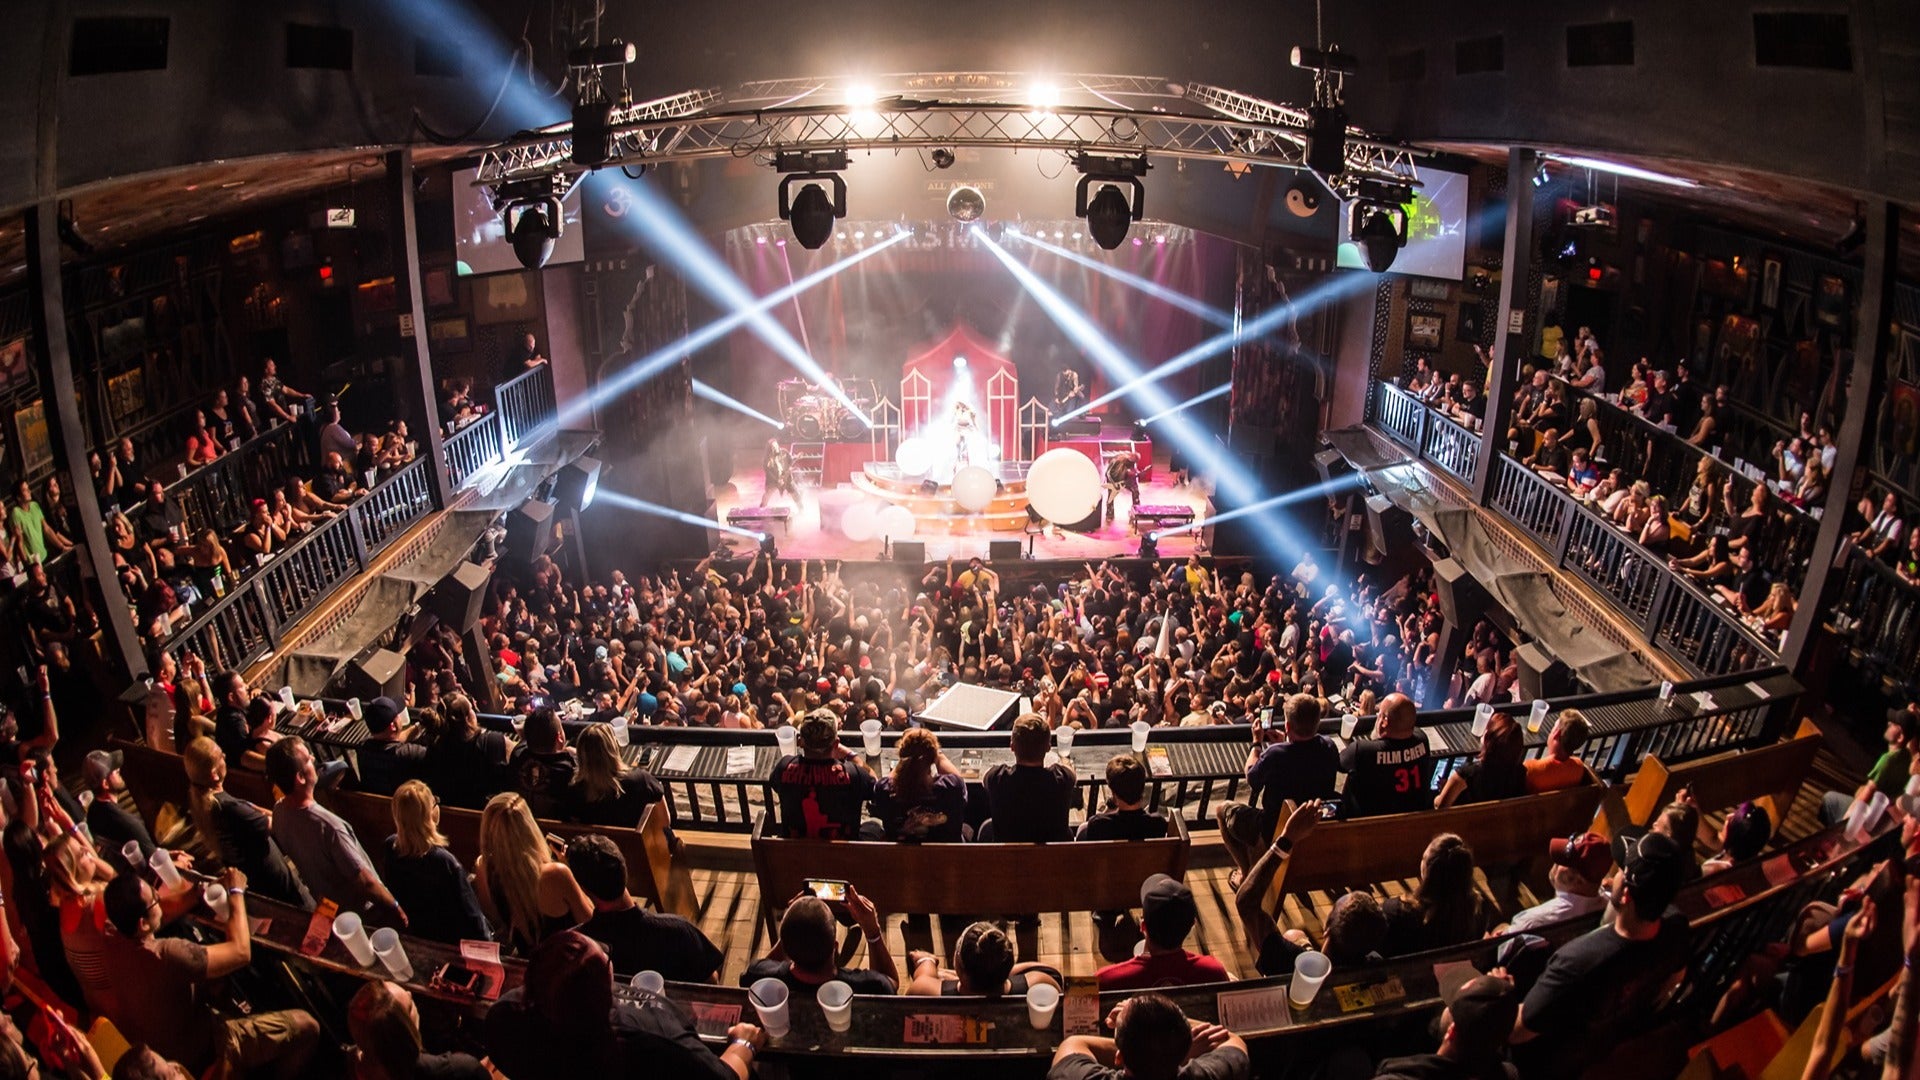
x=966 y=204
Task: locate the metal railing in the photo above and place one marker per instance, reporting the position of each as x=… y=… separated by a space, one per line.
x=471 y=449
x=396 y=503
x=525 y=405
x=218 y=495
x=1670 y=611
x=1882 y=616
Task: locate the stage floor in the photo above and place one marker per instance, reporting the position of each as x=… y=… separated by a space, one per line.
x=805 y=539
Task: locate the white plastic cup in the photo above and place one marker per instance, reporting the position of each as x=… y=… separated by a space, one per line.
x=353 y=934
x=1310 y=969
x=870 y=737
x=393 y=956
x=286 y=697
x=1537 y=715
x=836 y=1001
x=1063 y=739
x=651 y=982
x=162 y=863
x=353 y=707
x=1482 y=716
x=1666 y=692
x=769 y=997
x=789 y=738
x=215 y=894
x=1042 y=1000
x=130 y=851
x=1140 y=729
x=1348 y=724
x=620 y=734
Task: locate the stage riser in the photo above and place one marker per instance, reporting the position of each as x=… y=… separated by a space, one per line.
x=890 y=486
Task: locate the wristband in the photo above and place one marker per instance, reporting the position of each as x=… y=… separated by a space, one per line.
x=237 y=890
x=1282 y=847
x=872 y=939
x=1840 y=970
x=747 y=1043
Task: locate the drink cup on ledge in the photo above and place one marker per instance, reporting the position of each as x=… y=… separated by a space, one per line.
x=353 y=707
x=1041 y=1002
x=353 y=934
x=385 y=943
x=1482 y=716
x=1537 y=716
x=769 y=998
x=870 y=737
x=1310 y=969
x=788 y=737
x=836 y=1001
x=1063 y=739
x=1140 y=729
x=651 y=982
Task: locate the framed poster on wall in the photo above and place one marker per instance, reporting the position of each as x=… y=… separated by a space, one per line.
x=452 y=333
x=36 y=446
x=1425 y=331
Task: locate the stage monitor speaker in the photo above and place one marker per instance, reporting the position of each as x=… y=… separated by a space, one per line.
x=1463 y=600
x=380 y=674
x=457 y=600
x=910 y=551
x=1084 y=426
x=1331 y=465
x=1542 y=674
x=1003 y=551
x=575 y=484
x=530 y=531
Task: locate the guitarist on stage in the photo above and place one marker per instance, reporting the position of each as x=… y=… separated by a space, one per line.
x=1123 y=474
x=779 y=473
x=1067 y=391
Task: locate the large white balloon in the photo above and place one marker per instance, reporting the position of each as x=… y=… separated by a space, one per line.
x=914 y=457
x=895 y=523
x=861 y=521
x=1063 y=485
x=973 y=488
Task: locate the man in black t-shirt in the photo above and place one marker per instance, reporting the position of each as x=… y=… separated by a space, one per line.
x=230 y=724
x=1389 y=774
x=824 y=787
x=1129 y=818
x=1750 y=585
x=636 y=939
x=1301 y=765
x=1599 y=986
x=1030 y=798
x=1152 y=1040
x=543 y=766
x=809 y=938
x=112 y=826
x=389 y=757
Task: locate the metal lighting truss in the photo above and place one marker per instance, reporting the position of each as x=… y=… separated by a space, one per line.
x=803 y=115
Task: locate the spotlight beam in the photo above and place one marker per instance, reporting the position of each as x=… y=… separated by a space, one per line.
x=642 y=506
x=1152 y=288
x=1304 y=494
x=661 y=228
x=668 y=355
x=1198 y=445
x=702 y=390
x=1218 y=391
x=1266 y=323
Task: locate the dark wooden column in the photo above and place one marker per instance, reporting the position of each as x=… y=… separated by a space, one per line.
x=1865 y=383
x=53 y=364
x=406 y=268
x=1509 y=348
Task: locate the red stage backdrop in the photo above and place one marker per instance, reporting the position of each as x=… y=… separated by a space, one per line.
x=927 y=377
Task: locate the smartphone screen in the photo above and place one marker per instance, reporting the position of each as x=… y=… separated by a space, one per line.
x=831 y=891
x=1329 y=810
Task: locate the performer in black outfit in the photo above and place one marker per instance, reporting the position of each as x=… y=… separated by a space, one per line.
x=1067 y=391
x=779 y=470
x=1123 y=474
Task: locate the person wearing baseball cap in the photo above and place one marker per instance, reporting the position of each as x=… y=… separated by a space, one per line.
x=1167 y=915
x=1474 y=1030
x=389 y=757
x=1580 y=864
x=1602 y=986
x=823 y=788
x=109 y=822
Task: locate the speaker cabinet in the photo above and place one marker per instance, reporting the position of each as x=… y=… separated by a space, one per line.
x=909 y=551
x=1542 y=674
x=574 y=486
x=457 y=600
x=380 y=674
x=1003 y=551
x=530 y=531
x=1463 y=600
x=1392 y=526
x=1330 y=465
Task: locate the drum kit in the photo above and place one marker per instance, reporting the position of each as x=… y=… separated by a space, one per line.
x=813 y=413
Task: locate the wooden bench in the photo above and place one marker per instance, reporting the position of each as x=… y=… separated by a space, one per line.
x=1772 y=776
x=1001 y=879
x=1512 y=833
x=156 y=777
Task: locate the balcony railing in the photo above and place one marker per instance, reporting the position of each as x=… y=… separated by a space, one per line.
x=1669 y=610
x=525 y=406
x=471 y=449
x=217 y=496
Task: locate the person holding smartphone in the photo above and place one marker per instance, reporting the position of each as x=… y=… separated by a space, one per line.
x=804 y=956
x=1291 y=763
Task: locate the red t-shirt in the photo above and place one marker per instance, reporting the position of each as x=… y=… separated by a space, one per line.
x=1150 y=970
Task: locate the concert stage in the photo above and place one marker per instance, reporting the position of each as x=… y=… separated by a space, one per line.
x=945 y=531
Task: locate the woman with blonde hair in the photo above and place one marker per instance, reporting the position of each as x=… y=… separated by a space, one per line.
x=604 y=791
x=239 y=832
x=924 y=798
x=527 y=893
x=425 y=878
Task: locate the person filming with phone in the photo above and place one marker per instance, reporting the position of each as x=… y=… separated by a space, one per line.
x=804 y=957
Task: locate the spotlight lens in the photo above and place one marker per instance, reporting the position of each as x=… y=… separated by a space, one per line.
x=860 y=234
x=1159 y=239
x=760 y=240
x=1058 y=235
x=959 y=361
x=1137 y=241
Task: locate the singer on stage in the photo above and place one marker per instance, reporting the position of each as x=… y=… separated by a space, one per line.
x=779 y=471
x=1123 y=474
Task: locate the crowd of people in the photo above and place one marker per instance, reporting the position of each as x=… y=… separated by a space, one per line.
x=1711 y=516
